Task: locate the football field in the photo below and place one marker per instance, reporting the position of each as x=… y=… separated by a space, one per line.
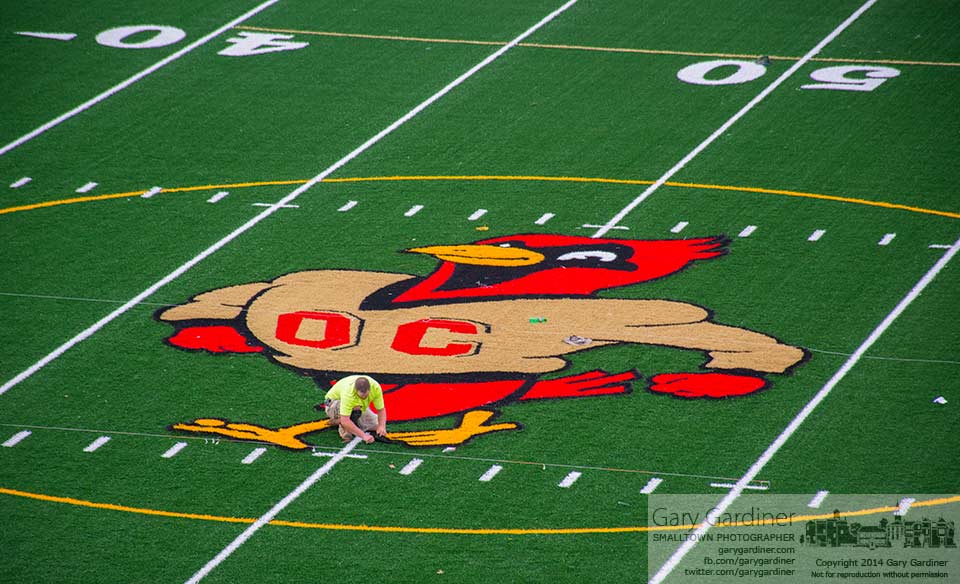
x=595 y=252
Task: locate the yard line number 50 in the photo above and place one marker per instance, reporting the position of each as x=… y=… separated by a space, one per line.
x=734 y=72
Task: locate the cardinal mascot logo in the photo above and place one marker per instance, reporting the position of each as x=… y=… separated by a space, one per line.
x=477 y=333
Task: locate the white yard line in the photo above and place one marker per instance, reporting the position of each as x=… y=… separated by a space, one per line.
x=544 y=218
x=137 y=77
x=53 y=36
x=274 y=204
x=411 y=466
x=153 y=191
x=477 y=214
x=615 y=221
x=94 y=328
x=96 y=444
x=16 y=439
x=651 y=486
x=818 y=499
x=904 y=505
x=254 y=455
x=272 y=513
x=821 y=395
x=491 y=472
x=568 y=480
x=730 y=486
x=174 y=450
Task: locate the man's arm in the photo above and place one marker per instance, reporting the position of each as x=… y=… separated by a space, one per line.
x=347 y=423
x=382 y=422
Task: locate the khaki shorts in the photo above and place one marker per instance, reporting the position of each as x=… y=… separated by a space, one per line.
x=368 y=420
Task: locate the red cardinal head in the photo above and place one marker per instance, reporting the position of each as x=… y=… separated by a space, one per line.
x=552 y=265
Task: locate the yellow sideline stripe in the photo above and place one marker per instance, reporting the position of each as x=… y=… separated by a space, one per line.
x=382 y=37
x=450 y=530
x=758 y=190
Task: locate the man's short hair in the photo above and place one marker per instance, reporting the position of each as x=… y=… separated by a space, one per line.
x=362 y=384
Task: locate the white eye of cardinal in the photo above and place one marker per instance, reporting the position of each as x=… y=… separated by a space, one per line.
x=603 y=256
x=504 y=245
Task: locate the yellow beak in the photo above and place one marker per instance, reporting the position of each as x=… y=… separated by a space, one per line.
x=482 y=255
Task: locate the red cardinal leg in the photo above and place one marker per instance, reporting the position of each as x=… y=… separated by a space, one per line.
x=713 y=385
x=216 y=339
x=586 y=384
x=415 y=401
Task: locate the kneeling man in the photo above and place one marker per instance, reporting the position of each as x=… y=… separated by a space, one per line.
x=347 y=406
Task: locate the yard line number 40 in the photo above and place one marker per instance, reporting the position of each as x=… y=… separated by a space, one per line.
x=716 y=72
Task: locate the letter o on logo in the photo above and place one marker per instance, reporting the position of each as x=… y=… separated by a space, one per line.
x=697 y=73
x=163 y=36
x=337 y=329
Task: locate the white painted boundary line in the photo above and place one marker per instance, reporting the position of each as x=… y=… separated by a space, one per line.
x=904 y=506
x=218 y=197
x=748 y=231
x=253 y=456
x=753 y=471
x=736 y=117
x=544 y=218
x=16 y=439
x=153 y=191
x=411 y=466
x=275 y=205
x=816 y=235
x=53 y=36
x=651 y=486
x=137 y=77
x=477 y=214
x=887 y=238
x=817 y=499
x=568 y=480
x=491 y=472
x=287 y=199
x=21 y=182
x=174 y=450
x=679 y=227
x=96 y=444
x=730 y=486
x=273 y=512
x=87 y=187
x=347 y=206
x=357 y=456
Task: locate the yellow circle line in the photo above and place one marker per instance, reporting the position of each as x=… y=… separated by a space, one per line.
x=455 y=531
x=756 y=190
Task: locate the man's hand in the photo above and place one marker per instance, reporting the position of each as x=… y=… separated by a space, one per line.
x=368 y=438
